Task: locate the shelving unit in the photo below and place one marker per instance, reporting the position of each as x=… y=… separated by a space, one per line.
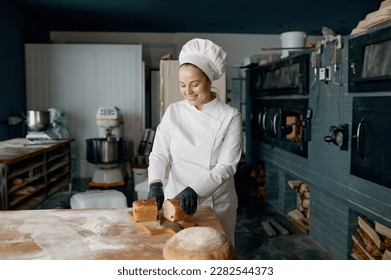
x=238 y=96
x=238 y=100
x=31 y=173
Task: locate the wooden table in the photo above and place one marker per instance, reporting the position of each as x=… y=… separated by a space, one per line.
x=78 y=234
x=19 y=149
x=40 y=170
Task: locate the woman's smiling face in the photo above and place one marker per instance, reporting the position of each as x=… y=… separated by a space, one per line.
x=195 y=85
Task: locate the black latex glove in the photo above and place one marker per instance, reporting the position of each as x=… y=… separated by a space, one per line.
x=156 y=191
x=188 y=200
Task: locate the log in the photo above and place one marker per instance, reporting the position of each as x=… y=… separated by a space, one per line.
x=369 y=244
x=295 y=184
x=387 y=243
x=296 y=214
x=306 y=203
x=301 y=225
x=355 y=257
x=383 y=230
x=358 y=253
x=261 y=191
x=279 y=227
x=304 y=188
x=366 y=226
x=268 y=228
x=357 y=241
x=298 y=202
x=306 y=195
x=386 y=255
x=307 y=214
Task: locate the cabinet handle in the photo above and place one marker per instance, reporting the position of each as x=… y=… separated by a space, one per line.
x=360 y=141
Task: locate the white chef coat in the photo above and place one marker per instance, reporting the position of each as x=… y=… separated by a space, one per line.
x=200 y=149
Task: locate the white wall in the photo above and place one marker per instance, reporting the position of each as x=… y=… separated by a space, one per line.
x=78 y=79
x=155 y=45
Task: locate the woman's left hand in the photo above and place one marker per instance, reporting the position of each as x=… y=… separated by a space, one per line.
x=188 y=200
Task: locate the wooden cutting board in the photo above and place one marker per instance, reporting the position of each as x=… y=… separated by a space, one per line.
x=162 y=225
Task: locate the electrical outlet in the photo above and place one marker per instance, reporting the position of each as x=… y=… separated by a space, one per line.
x=324 y=73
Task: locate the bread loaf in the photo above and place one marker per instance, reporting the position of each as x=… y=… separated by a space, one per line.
x=26 y=190
x=17 y=181
x=145 y=210
x=199 y=243
x=173 y=212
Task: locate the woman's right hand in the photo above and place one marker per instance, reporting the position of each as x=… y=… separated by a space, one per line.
x=156 y=191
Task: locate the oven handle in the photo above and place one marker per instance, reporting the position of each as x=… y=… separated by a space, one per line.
x=359 y=135
x=275 y=122
x=264 y=120
x=259 y=118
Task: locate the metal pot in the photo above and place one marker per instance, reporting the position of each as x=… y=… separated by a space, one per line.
x=38 y=120
x=106 y=150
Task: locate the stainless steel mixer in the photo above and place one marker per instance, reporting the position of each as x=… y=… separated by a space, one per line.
x=109 y=150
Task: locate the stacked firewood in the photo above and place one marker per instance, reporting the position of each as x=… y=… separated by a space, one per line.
x=371 y=241
x=259 y=175
x=301 y=215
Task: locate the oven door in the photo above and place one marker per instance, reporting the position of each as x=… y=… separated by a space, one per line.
x=370 y=61
x=279 y=122
x=289 y=76
x=371 y=136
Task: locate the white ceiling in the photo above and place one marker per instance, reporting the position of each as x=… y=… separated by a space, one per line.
x=209 y=16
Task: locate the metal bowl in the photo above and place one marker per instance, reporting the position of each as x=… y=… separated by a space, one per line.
x=38 y=120
x=106 y=150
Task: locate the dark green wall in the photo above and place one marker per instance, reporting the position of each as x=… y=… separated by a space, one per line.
x=12 y=77
x=337 y=197
x=15 y=30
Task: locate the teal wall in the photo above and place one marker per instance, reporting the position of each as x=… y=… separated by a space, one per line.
x=12 y=78
x=15 y=31
x=337 y=197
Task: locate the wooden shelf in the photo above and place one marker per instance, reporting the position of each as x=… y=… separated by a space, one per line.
x=58 y=175
x=25 y=183
x=44 y=171
x=57 y=156
x=60 y=185
x=58 y=165
x=18 y=198
x=24 y=169
x=30 y=203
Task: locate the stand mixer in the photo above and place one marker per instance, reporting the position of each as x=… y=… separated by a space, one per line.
x=58 y=124
x=46 y=126
x=109 y=150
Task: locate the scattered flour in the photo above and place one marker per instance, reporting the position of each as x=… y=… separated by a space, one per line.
x=66 y=234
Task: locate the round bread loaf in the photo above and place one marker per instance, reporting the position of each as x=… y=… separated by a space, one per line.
x=198 y=243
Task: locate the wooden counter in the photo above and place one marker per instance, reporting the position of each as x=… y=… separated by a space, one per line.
x=31 y=173
x=83 y=234
x=19 y=149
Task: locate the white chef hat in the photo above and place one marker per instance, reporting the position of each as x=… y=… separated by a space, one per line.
x=206 y=55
